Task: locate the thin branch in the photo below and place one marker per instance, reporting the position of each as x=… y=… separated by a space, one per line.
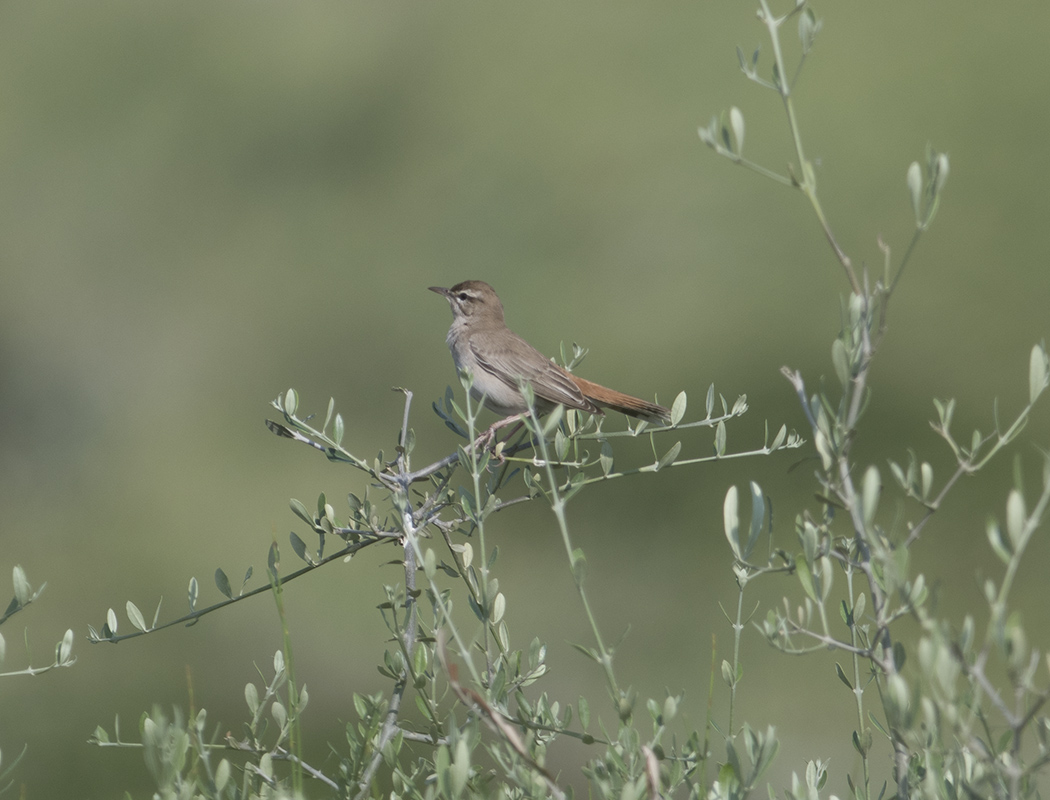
x=829 y=642
x=795 y=377
x=492 y=718
x=976 y=671
x=194 y=616
x=282 y=755
x=408 y=633
x=931 y=509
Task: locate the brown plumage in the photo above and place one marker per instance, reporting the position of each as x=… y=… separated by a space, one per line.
x=498 y=358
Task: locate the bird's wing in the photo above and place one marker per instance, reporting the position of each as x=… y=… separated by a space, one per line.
x=549 y=381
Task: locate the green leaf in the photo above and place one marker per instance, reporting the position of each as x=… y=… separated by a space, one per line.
x=778 y=440
x=291 y=402
x=192 y=593
x=21 y=583
x=940 y=173
x=670 y=709
x=669 y=456
x=561 y=445
x=299 y=547
x=874 y=721
x=806 y=579
x=338 y=430
x=576 y=482
x=945 y=411
x=927 y=479
x=222 y=775
x=736 y=120
x=587 y=651
x=251 y=697
x=840 y=360
x=872 y=486
x=820 y=441
x=553 y=421
x=900 y=655
x=862 y=747
x=579 y=566
x=826 y=574
x=720 y=439
x=898 y=475
x=727 y=776
x=466 y=499
x=808 y=28
x=1037 y=373
x=328 y=415
x=842 y=676
x=419 y=660
x=135 y=616
x=897 y=700
x=279 y=713
x=583 y=712
x=707 y=135
x=727 y=673
x=844 y=613
x=460 y=769
x=758 y=518
x=995 y=539
x=709 y=402
x=678 y=408
x=731 y=521
x=300 y=510
x=223 y=583
x=606 y=457
x=915 y=189
x=499 y=606
x=273 y=560
x=809 y=537
x=1015 y=519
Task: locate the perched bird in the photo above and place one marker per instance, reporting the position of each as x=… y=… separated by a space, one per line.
x=499 y=359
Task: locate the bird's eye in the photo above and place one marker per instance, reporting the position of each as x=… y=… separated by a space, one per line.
x=463 y=295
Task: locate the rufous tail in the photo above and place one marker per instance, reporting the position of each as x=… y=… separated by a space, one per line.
x=624 y=403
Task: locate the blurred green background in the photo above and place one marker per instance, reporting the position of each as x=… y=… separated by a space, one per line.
x=202 y=204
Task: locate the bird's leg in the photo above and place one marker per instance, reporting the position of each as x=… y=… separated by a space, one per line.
x=487 y=438
x=499 y=447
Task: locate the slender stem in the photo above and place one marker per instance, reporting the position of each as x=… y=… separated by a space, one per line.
x=807 y=181
x=479 y=521
x=736 y=158
x=904 y=261
x=294 y=735
x=408 y=633
x=194 y=616
x=963 y=469
x=558 y=507
x=858 y=690
x=738 y=627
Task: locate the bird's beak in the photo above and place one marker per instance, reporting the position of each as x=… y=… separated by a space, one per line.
x=439 y=290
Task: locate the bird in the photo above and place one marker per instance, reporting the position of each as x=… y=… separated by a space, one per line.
x=500 y=361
